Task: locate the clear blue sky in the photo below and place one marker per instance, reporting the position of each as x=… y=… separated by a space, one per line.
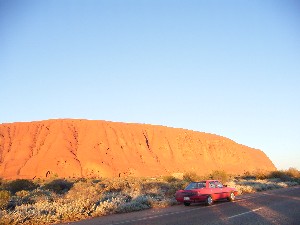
x=226 y=67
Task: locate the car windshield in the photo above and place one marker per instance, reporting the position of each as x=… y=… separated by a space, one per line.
x=195 y=185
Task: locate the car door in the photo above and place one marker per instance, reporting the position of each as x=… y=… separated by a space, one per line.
x=214 y=190
x=219 y=187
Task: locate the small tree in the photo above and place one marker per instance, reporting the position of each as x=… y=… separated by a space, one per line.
x=190 y=177
x=220 y=175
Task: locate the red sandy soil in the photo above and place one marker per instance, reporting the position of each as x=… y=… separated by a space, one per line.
x=68 y=148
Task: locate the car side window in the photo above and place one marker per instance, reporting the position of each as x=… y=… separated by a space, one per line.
x=212 y=184
x=201 y=185
x=218 y=184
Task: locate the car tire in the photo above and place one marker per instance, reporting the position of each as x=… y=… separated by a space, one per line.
x=209 y=201
x=231 y=197
x=187 y=203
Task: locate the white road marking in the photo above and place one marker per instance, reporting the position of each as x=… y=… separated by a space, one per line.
x=254 y=210
x=161 y=215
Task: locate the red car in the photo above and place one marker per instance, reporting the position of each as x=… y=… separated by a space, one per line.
x=205 y=191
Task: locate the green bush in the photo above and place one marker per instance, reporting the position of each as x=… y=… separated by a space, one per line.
x=261 y=174
x=169 y=179
x=4 y=199
x=190 y=177
x=20 y=185
x=282 y=175
x=220 y=175
x=59 y=186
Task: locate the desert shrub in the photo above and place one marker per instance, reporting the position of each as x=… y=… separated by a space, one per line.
x=135 y=186
x=88 y=189
x=220 y=175
x=40 y=195
x=19 y=185
x=261 y=174
x=190 y=177
x=137 y=204
x=81 y=179
x=173 y=187
x=153 y=187
x=293 y=172
x=240 y=187
x=248 y=176
x=59 y=186
x=161 y=189
x=291 y=183
x=114 y=184
x=22 y=193
x=4 y=199
x=130 y=186
x=28 y=198
x=18 y=201
x=283 y=176
x=290 y=175
x=30 y=214
x=169 y=179
x=107 y=206
x=244 y=186
x=20 y=197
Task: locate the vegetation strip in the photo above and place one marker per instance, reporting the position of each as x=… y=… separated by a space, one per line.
x=59 y=200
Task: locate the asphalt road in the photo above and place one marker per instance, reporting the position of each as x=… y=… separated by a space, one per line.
x=281 y=206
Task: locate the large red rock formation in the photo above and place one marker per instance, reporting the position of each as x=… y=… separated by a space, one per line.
x=84 y=148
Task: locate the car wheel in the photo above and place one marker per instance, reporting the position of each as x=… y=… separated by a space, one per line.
x=209 y=201
x=231 y=197
x=187 y=203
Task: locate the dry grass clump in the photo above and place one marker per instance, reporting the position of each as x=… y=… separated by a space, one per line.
x=56 y=201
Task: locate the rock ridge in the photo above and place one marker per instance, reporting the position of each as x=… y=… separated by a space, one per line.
x=68 y=148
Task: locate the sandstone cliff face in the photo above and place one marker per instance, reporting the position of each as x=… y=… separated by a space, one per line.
x=84 y=148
